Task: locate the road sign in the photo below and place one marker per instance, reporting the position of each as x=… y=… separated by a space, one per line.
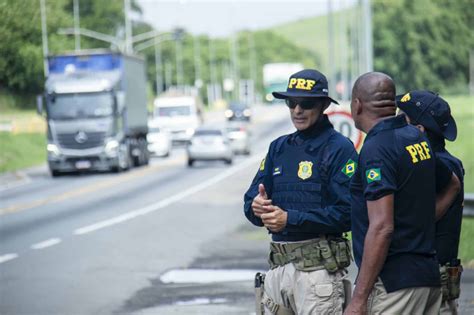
x=343 y=122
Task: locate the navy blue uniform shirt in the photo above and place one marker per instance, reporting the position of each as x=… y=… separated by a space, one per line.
x=307 y=174
x=396 y=159
x=448 y=228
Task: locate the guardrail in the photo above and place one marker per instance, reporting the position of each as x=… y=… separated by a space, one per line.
x=468 y=205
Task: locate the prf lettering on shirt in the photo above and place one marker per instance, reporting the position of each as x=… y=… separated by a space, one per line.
x=301 y=84
x=419 y=152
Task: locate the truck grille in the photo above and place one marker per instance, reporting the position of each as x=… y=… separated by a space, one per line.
x=91 y=140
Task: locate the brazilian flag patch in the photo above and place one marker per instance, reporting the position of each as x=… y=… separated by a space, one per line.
x=349 y=168
x=373 y=175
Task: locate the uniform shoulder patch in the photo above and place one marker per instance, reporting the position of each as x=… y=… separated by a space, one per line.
x=373 y=174
x=262 y=164
x=349 y=168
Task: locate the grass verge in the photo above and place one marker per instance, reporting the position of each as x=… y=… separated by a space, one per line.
x=22 y=150
x=466 y=248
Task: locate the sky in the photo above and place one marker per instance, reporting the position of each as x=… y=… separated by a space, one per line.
x=219 y=18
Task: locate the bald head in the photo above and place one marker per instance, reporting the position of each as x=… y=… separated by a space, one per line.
x=373 y=98
x=376 y=91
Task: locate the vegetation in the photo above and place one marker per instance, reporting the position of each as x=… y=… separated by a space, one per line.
x=466 y=247
x=21 y=150
x=463 y=147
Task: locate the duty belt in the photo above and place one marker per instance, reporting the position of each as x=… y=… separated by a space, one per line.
x=331 y=254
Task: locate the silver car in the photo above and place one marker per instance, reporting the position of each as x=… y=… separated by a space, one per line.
x=159 y=140
x=239 y=136
x=209 y=143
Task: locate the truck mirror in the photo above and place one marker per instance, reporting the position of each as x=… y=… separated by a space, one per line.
x=39 y=104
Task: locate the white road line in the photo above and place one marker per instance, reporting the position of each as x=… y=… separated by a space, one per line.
x=47 y=243
x=7 y=257
x=170 y=200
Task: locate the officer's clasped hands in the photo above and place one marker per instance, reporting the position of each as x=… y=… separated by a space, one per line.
x=273 y=217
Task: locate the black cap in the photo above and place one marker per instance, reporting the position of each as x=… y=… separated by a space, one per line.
x=428 y=109
x=306 y=83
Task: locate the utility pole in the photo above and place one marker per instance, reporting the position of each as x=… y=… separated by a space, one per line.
x=158 y=67
x=128 y=28
x=179 y=63
x=368 y=46
x=44 y=37
x=343 y=47
x=471 y=72
x=77 y=35
x=332 y=71
x=197 y=63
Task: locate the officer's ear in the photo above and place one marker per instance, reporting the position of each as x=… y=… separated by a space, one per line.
x=356 y=106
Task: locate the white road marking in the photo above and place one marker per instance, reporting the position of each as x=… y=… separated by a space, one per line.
x=47 y=243
x=170 y=200
x=7 y=257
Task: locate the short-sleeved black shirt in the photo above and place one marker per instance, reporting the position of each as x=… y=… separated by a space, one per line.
x=397 y=159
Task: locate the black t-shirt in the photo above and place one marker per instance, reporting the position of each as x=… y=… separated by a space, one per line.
x=397 y=159
x=448 y=228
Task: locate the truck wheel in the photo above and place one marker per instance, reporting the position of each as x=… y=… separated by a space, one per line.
x=55 y=173
x=190 y=162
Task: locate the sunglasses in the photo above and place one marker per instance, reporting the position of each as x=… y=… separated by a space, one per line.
x=305 y=103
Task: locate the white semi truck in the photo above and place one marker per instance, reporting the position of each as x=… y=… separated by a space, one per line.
x=96 y=112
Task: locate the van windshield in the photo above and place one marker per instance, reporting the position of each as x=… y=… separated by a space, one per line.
x=173 y=111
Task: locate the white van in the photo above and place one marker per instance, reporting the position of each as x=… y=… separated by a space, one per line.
x=180 y=115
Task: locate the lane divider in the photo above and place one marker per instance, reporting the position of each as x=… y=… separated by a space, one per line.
x=8 y=257
x=92 y=188
x=170 y=200
x=46 y=244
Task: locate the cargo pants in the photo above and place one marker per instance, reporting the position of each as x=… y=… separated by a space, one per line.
x=303 y=292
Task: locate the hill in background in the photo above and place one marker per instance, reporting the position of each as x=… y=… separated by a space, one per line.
x=312 y=34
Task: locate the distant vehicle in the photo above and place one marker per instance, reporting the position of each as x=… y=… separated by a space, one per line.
x=275 y=77
x=209 y=143
x=239 y=136
x=181 y=115
x=238 y=111
x=96 y=112
x=159 y=140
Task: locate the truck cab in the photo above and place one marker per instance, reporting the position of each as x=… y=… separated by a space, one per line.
x=96 y=112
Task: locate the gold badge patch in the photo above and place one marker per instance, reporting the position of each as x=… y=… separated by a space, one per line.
x=305 y=170
x=405 y=98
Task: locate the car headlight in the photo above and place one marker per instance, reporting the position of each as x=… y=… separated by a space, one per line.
x=247 y=112
x=111 y=146
x=190 y=131
x=53 y=149
x=228 y=113
x=269 y=97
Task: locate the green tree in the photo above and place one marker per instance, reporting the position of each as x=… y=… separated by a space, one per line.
x=424 y=44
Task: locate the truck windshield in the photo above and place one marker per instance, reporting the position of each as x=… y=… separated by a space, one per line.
x=173 y=111
x=80 y=105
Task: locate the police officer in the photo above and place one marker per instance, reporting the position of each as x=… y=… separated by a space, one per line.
x=393 y=208
x=432 y=114
x=301 y=195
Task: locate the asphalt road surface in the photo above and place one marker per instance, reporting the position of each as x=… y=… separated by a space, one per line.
x=123 y=243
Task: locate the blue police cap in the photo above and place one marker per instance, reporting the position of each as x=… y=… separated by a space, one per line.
x=306 y=83
x=430 y=110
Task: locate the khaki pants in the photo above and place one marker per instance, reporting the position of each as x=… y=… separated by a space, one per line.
x=314 y=292
x=409 y=301
x=449 y=308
